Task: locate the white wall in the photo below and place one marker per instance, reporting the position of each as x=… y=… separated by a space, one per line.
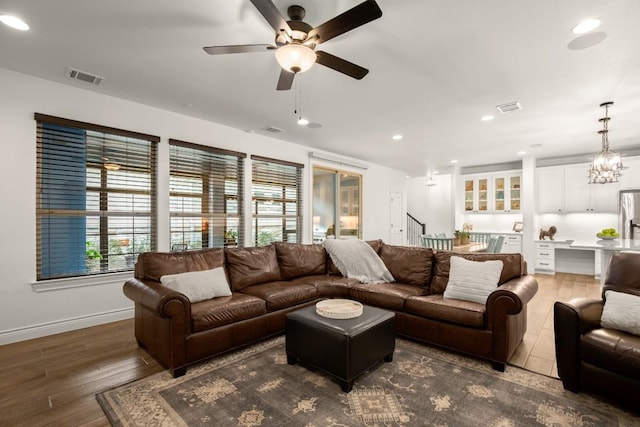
x=25 y=313
x=432 y=205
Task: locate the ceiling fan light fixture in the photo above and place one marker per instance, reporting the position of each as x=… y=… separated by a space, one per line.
x=14 y=22
x=295 y=57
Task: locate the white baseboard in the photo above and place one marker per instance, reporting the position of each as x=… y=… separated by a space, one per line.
x=65 y=325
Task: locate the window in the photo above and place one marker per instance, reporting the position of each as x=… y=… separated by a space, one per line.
x=96 y=198
x=336 y=204
x=276 y=200
x=206 y=203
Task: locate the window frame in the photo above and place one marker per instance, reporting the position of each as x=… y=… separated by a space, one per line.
x=210 y=213
x=45 y=213
x=263 y=179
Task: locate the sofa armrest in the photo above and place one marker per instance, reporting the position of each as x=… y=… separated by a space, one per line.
x=165 y=302
x=511 y=297
x=571 y=320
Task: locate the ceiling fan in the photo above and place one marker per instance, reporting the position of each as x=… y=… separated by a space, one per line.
x=296 y=40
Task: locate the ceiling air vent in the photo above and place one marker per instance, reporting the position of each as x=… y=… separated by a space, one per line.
x=509 y=107
x=272 y=129
x=85 y=77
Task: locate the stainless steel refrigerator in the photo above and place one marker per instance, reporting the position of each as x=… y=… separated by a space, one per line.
x=629 y=214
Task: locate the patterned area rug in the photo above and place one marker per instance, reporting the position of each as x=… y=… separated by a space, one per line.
x=423 y=386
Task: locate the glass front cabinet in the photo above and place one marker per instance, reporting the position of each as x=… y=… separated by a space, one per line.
x=506 y=193
x=493 y=193
x=476 y=195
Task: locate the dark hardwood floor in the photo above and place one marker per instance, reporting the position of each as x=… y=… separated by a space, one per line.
x=52 y=381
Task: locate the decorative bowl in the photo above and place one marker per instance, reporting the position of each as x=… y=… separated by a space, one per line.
x=339 y=308
x=606 y=236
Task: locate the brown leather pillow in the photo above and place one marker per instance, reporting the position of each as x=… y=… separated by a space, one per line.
x=297 y=260
x=154 y=265
x=252 y=266
x=407 y=264
x=513 y=266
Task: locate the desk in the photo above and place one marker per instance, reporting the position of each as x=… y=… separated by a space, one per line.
x=472 y=247
x=607 y=247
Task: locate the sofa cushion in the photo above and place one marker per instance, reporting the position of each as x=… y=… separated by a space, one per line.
x=409 y=265
x=334 y=271
x=385 y=295
x=472 y=280
x=447 y=310
x=513 y=267
x=612 y=350
x=154 y=265
x=252 y=266
x=297 y=260
x=199 y=285
x=279 y=295
x=328 y=286
x=621 y=311
x=225 y=310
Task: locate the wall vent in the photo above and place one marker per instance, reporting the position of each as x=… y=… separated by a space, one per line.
x=272 y=129
x=83 y=76
x=509 y=107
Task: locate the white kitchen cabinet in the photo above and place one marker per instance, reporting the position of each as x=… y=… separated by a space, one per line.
x=492 y=193
x=476 y=194
x=630 y=177
x=506 y=193
x=567 y=189
x=550 y=190
x=512 y=244
x=545 y=258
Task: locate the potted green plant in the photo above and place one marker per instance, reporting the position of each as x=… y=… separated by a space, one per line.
x=460 y=238
x=93 y=256
x=456 y=237
x=230 y=237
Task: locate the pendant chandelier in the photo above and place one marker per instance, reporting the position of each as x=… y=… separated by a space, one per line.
x=606 y=165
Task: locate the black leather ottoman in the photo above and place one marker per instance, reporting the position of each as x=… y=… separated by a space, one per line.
x=344 y=348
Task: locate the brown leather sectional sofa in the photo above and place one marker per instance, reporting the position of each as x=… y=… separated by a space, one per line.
x=268 y=282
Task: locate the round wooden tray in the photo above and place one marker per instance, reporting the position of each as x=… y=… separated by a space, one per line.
x=339 y=308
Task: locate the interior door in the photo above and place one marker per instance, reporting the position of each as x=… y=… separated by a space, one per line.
x=397 y=219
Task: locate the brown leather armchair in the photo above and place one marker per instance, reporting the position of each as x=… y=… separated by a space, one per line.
x=597 y=359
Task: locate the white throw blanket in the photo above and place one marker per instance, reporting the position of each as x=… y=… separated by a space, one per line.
x=356 y=259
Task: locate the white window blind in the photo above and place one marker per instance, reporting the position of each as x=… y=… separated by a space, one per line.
x=95 y=195
x=276 y=196
x=206 y=196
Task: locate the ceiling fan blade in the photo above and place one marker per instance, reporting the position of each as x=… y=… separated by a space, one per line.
x=341 y=65
x=270 y=12
x=286 y=80
x=242 y=48
x=353 y=18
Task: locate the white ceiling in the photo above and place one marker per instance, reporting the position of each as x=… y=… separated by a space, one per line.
x=436 y=67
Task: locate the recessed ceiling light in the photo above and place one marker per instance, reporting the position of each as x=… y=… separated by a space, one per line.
x=487 y=118
x=397 y=137
x=521 y=153
x=435 y=172
x=302 y=121
x=454 y=161
x=586 y=26
x=14 y=22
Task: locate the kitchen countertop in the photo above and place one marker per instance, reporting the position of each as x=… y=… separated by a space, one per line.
x=607 y=245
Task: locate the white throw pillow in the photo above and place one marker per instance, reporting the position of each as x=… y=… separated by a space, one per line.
x=472 y=280
x=622 y=312
x=199 y=285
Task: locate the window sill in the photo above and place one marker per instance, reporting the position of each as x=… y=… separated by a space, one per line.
x=79 y=282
